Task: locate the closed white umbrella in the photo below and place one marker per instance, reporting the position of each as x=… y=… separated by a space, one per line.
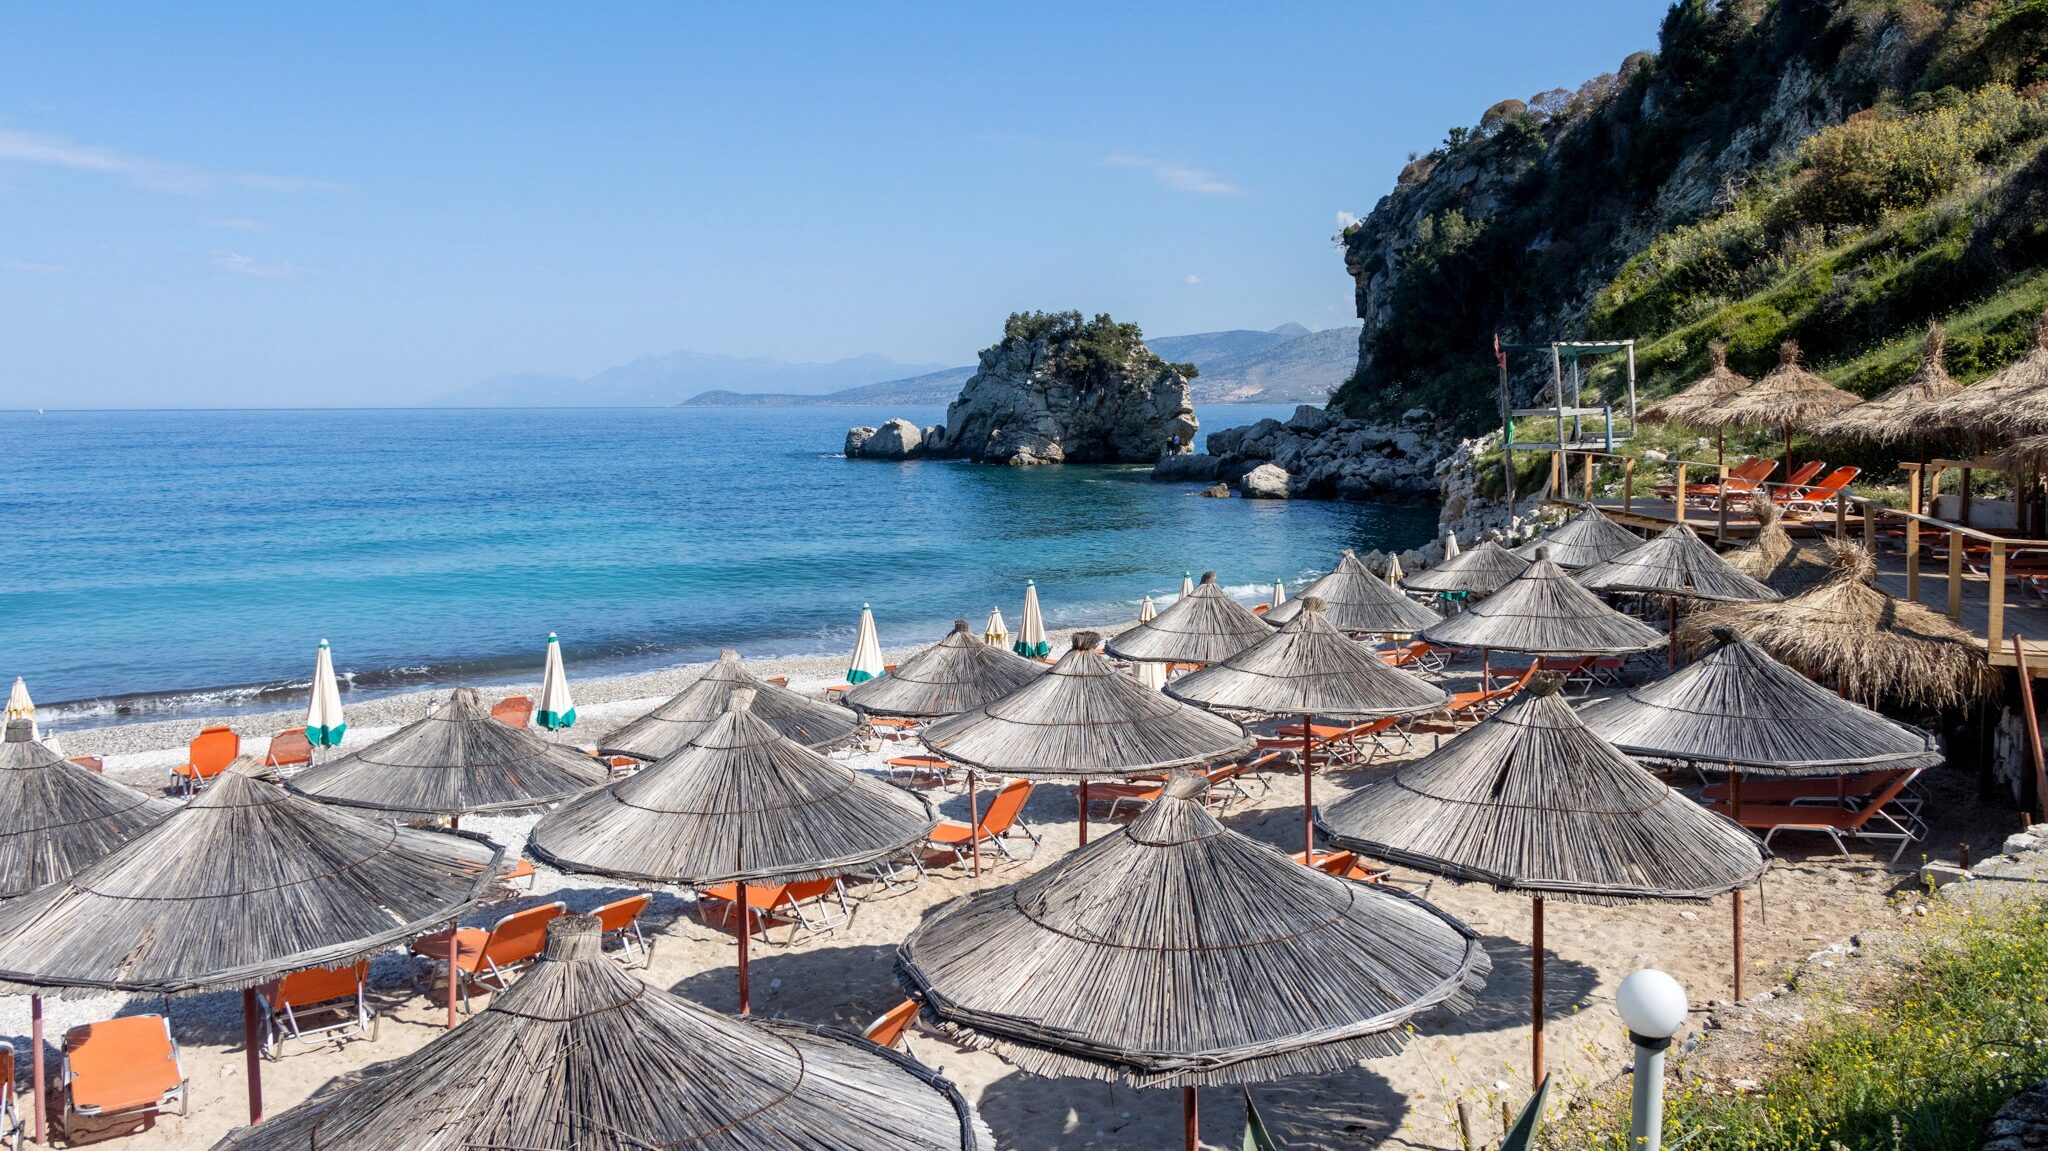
x=20 y=706
x=325 y=725
x=1450 y=545
x=1279 y=595
x=1150 y=673
x=995 y=633
x=1187 y=583
x=867 y=650
x=1394 y=573
x=1031 y=642
x=556 y=709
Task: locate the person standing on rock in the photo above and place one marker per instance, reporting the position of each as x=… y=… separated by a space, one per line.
x=1173 y=444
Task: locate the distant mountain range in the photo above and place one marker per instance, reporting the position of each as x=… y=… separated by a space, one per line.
x=1288 y=364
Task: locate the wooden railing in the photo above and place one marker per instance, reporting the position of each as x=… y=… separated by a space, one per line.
x=1686 y=475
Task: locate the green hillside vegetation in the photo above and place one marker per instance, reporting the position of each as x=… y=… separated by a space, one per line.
x=1604 y=217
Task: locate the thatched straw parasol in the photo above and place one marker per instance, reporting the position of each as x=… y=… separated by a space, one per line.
x=1544 y=612
x=668 y=728
x=1477 y=571
x=1084 y=720
x=2026 y=456
x=1309 y=668
x=580 y=1055
x=1771 y=558
x=1866 y=644
x=1789 y=396
x=56 y=817
x=1205 y=626
x=1177 y=953
x=1677 y=565
x=954 y=674
x=1906 y=412
x=1360 y=603
x=240 y=886
x=2011 y=401
x=1532 y=801
x=1699 y=402
x=743 y=804
x=1585 y=539
x=456 y=761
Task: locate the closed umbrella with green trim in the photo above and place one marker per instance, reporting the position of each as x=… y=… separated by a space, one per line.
x=867 y=650
x=1031 y=641
x=556 y=710
x=325 y=725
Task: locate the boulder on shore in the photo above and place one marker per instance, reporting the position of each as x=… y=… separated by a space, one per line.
x=1265 y=482
x=1187 y=469
x=897 y=439
x=1216 y=491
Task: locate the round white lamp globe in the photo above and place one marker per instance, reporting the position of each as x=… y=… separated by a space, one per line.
x=1651 y=1003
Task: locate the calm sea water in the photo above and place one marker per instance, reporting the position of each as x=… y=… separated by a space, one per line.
x=160 y=562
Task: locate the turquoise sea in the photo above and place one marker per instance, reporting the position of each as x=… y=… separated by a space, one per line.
x=166 y=562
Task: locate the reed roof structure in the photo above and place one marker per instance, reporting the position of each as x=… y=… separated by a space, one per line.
x=2010 y=402
x=665 y=730
x=1085 y=720
x=56 y=817
x=1530 y=800
x=1585 y=539
x=1204 y=626
x=1676 y=562
x=1360 y=602
x=1865 y=643
x=1544 y=611
x=952 y=675
x=1308 y=667
x=2026 y=456
x=1738 y=707
x=742 y=802
x=239 y=886
x=579 y=1055
x=1788 y=396
x=1696 y=403
x=1772 y=558
x=1479 y=571
x=455 y=761
x=1906 y=412
x=1175 y=952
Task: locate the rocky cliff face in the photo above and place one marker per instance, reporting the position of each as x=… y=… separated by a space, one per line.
x=1319 y=455
x=1058 y=389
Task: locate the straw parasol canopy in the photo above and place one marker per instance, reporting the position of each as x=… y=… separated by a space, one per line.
x=57 y=817
x=1738 y=707
x=1478 y=571
x=455 y=761
x=2011 y=401
x=1771 y=558
x=947 y=678
x=1205 y=626
x=556 y=710
x=1585 y=539
x=1789 y=396
x=325 y=724
x=1701 y=399
x=1085 y=720
x=1530 y=800
x=866 y=663
x=1179 y=953
x=1865 y=643
x=1544 y=612
x=668 y=728
x=1908 y=411
x=1676 y=562
x=579 y=1055
x=2027 y=456
x=241 y=885
x=1359 y=602
x=742 y=802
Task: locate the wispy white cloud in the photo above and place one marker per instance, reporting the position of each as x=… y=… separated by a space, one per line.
x=52 y=151
x=1179 y=177
x=1191 y=280
x=33 y=267
x=1346 y=219
x=242 y=265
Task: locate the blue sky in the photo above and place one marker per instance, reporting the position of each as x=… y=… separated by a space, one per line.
x=287 y=205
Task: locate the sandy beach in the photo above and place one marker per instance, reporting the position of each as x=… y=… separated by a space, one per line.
x=1812 y=899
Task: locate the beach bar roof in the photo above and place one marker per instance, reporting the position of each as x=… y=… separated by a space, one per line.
x=1359 y=602
x=1081 y=720
x=952 y=675
x=1585 y=539
x=1205 y=626
x=1676 y=563
x=455 y=761
x=667 y=728
x=57 y=817
x=1478 y=571
x=1736 y=706
x=1544 y=612
x=579 y=1055
x=1176 y=952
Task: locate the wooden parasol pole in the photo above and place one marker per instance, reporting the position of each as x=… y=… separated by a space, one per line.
x=1191 y=1117
x=454 y=929
x=1084 y=813
x=746 y=930
x=1738 y=945
x=1788 y=451
x=973 y=823
x=35 y=1042
x=2019 y=659
x=1308 y=789
x=253 y=1046
x=1536 y=995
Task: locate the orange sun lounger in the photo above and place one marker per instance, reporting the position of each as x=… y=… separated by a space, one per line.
x=125 y=1066
x=487 y=958
x=209 y=754
x=1003 y=815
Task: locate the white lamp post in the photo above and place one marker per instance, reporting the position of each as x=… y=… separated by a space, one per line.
x=1652 y=1004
